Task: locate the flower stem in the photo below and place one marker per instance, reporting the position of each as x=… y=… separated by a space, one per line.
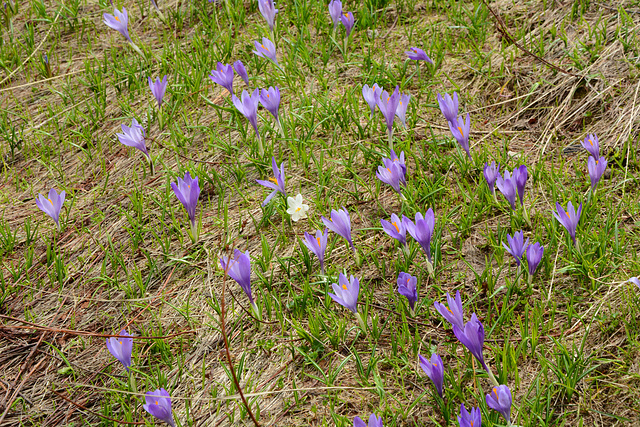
x=137 y=49
x=260 y=147
x=390 y=136
x=362 y=323
x=493 y=379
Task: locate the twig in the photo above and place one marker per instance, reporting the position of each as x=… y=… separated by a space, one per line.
x=226 y=346
x=96 y=413
x=503 y=29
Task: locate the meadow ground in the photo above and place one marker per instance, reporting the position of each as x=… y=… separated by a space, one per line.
x=536 y=77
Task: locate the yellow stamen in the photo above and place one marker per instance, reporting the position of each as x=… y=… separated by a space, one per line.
x=344 y=287
x=591 y=142
x=460 y=129
x=275 y=181
x=397 y=229
x=400 y=102
x=267 y=95
x=50 y=202
x=120 y=342
x=568 y=216
x=435 y=364
x=263 y=46
x=156 y=402
x=117 y=19
x=388 y=98
x=297 y=209
x=495 y=391
x=389 y=170
x=318 y=239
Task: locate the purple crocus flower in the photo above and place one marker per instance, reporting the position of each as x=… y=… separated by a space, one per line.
x=268 y=10
x=449 y=106
x=340 y=223
x=159 y=405
x=393 y=157
x=396 y=228
x=534 y=256
x=223 y=75
x=520 y=176
x=434 y=370
x=407 y=286
x=500 y=400
x=592 y=145
x=346 y=292
x=491 y=173
x=121 y=348
x=187 y=191
x=276 y=183
x=133 y=137
x=418 y=54
x=248 y=106
x=119 y=22
x=517 y=246
x=335 y=10
x=569 y=218
x=317 y=245
x=348 y=21
x=466 y=419
x=507 y=187
x=388 y=104
x=242 y=72
x=158 y=88
x=422 y=230
x=472 y=337
x=373 y=422
x=270 y=99
x=371 y=94
x=453 y=314
x=239 y=269
x=460 y=131
x=401 y=110
x=596 y=169
x=392 y=174
x=52 y=204
x=266 y=49
x=635 y=281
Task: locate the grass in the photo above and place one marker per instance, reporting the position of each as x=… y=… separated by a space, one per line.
x=567 y=346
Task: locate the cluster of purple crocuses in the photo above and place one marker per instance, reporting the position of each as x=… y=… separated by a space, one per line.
x=390 y=106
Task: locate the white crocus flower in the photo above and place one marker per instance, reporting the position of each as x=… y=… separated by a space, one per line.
x=297 y=209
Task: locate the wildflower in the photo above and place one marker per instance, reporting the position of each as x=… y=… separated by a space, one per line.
x=266 y=49
x=520 y=176
x=239 y=269
x=223 y=75
x=418 y=54
x=407 y=286
x=133 y=137
x=371 y=94
x=592 y=145
x=596 y=169
x=158 y=88
x=517 y=246
x=434 y=370
x=500 y=400
x=276 y=183
x=118 y=22
x=297 y=209
x=472 y=337
x=460 y=131
x=121 y=348
x=534 y=256
x=268 y=10
x=491 y=173
x=340 y=223
x=466 y=419
x=348 y=21
x=242 y=72
x=270 y=99
x=388 y=105
x=248 y=106
x=396 y=228
x=422 y=230
x=401 y=110
x=507 y=187
x=393 y=172
x=449 y=106
x=346 y=292
x=569 y=218
x=52 y=204
x=335 y=10
x=187 y=191
x=317 y=245
x=373 y=422
x=159 y=405
x=453 y=314
x=635 y=281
